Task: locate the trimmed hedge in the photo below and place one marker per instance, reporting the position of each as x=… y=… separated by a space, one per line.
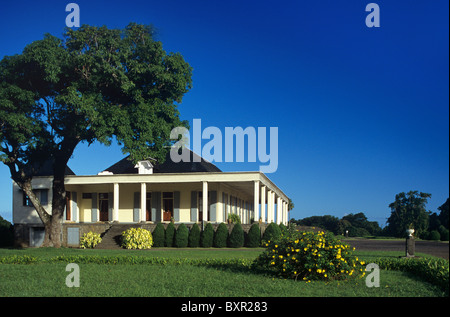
x=272 y=232
x=221 y=236
x=253 y=237
x=181 y=236
x=236 y=238
x=194 y=236
x=169 y=236
x=158 y=236
x=207 y=236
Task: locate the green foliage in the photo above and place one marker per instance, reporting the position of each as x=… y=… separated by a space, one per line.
x=207 y=236
x=310 y=256
x=137 y=238
x=6 y=233
x=254 y=236
x=221 y=236
x=435 y=235
x=272 y=232
x=169 y=235
x=158 y=235
x=181 y=236
x=234 y=218
x=435 y=271
x=408 y=209
x=90 y=240
x=94 y=84
x=194 y=236
x=236 y=238
x=18 y=259
x=444 y=234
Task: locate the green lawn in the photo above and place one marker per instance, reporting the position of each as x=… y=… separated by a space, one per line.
x=48 y=279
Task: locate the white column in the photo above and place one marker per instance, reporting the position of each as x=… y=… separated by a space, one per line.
x=116 y=202
x=263 y=204
x=279 y=216
x=205 y=201
x=269 y=206
x=256 y=201
x=286 y=213
x=142 y=215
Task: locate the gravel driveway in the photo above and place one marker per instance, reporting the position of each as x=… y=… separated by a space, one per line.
x=435 y=248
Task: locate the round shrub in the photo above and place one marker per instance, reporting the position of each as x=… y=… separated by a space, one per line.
x=310 y=256
x=236 y=239
x=207 y=236
x=90 y=240
x=158 y=236
x=181 y=236
x=444 y=235
x=435 y=235
x=221 y=236
x=253 y=236
x=137 y=238
x=272 y=232
x=169 y=235
x=194 y=236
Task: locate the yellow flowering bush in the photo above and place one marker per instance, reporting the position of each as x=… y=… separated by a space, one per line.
x=310 y=256
x=90 y=240
x=137 y=238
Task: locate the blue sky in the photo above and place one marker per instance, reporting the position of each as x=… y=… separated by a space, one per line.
x=362 y=113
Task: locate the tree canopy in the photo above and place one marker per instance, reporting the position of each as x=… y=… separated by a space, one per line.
x=408 y=210
x=94 y=84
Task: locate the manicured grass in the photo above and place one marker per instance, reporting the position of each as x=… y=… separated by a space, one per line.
x=48 y=278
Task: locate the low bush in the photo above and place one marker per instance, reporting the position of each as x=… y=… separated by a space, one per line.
x=435 y=235
x=309 y=256
x=90 y=240
x=207 y=236
x=194 y=236
x=137 y=238
x=18 y=259
x=433 y=270
x=221 y=236
x=236 y=238
x=158 y=236
x=169 y=235
x=181 y=236
x=253 y=237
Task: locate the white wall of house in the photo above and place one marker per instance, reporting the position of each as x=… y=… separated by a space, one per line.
x=229 y=197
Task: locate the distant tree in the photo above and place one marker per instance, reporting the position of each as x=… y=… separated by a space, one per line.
x=443 y=215
x=95 y=84
x=408 y=209
x=361 y=225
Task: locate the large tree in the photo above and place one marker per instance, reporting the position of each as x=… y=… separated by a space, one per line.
x=408 y=210
x=94 y=84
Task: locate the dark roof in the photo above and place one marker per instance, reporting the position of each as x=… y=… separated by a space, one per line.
x=46 y=169
x=126 y=166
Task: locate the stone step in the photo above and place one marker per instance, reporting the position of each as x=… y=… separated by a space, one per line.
x=111 y=237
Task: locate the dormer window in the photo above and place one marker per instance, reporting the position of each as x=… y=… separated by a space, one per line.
x=144 y=167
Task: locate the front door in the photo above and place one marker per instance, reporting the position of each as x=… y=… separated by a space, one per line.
x=167 y=206
x=103 y=206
